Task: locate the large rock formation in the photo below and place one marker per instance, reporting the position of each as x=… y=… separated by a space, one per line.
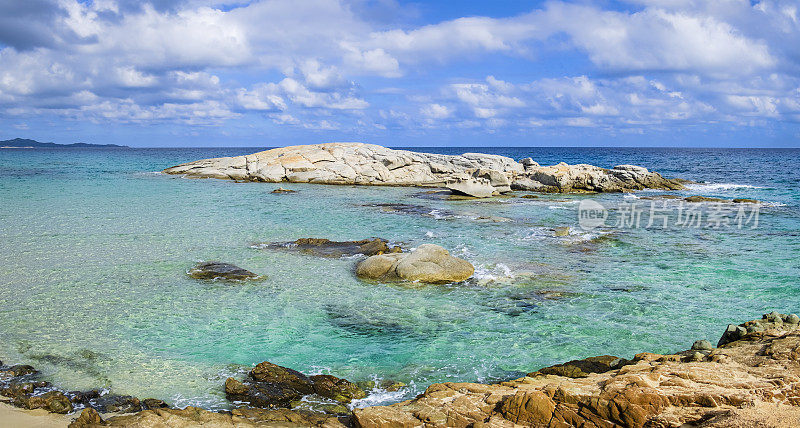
x=471 y=174
x=744 y=381
x=427 y=263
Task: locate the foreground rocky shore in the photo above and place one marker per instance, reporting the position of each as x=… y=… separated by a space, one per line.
x=471 y=174
x=752 y=378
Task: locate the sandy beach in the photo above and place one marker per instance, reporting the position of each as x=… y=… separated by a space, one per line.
x=13 y=417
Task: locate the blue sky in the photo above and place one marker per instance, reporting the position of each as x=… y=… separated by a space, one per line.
x=399 y=73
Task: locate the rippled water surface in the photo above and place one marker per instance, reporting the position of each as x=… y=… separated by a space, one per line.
x=95 y=247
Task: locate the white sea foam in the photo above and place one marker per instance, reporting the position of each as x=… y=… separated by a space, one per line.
x=379 y=397
x=492 y=273
x=719 y=186
x=439 y=216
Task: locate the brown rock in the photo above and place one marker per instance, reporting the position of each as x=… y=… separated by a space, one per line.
x=337 y=389
x=275 y=374
x=427 y=263
x=653 y=390
x=582 y=368
x=154 y=403
x=17 y=371
x=529 y=408
x=234 y=387
x=703 y=199
x=53 y=401
x=240 y=418
x=87 y=419
x=269 y=386
x=334 y=249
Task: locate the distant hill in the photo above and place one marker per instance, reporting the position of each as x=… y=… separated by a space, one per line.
x=26 y=143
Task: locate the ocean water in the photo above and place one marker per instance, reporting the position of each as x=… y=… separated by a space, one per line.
x=96 y=244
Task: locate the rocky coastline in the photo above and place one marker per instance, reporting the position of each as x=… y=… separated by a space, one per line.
x=752 y=378
x=471 y=174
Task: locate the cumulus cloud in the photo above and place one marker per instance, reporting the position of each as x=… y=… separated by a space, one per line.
x=303 y=64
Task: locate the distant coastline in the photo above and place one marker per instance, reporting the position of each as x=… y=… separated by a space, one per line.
x=24 y=143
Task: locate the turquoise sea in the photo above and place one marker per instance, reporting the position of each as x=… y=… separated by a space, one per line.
x=96 y=245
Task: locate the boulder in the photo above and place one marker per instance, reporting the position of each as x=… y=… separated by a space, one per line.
x=269 y=386
x=272 y=386
x=19 y=389
x=702 y=345
x=87 y=419
x=337 y=389
x=53 y=401
x=282 y=376
x=219 y=270
x=154 y=403
x=428 y=263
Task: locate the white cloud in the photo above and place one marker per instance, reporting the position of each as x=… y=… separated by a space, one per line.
x=436 y=111
x=303 y=64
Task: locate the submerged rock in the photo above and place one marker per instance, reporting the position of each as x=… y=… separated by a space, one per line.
x=561 y=231
x=428 y=263
x=282 y=190
x=219 y=270
x=473 y=174
x=334 y=249
x=697 y=198
x=375 y=324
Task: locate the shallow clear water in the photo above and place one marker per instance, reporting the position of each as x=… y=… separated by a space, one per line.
x=95 y=247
